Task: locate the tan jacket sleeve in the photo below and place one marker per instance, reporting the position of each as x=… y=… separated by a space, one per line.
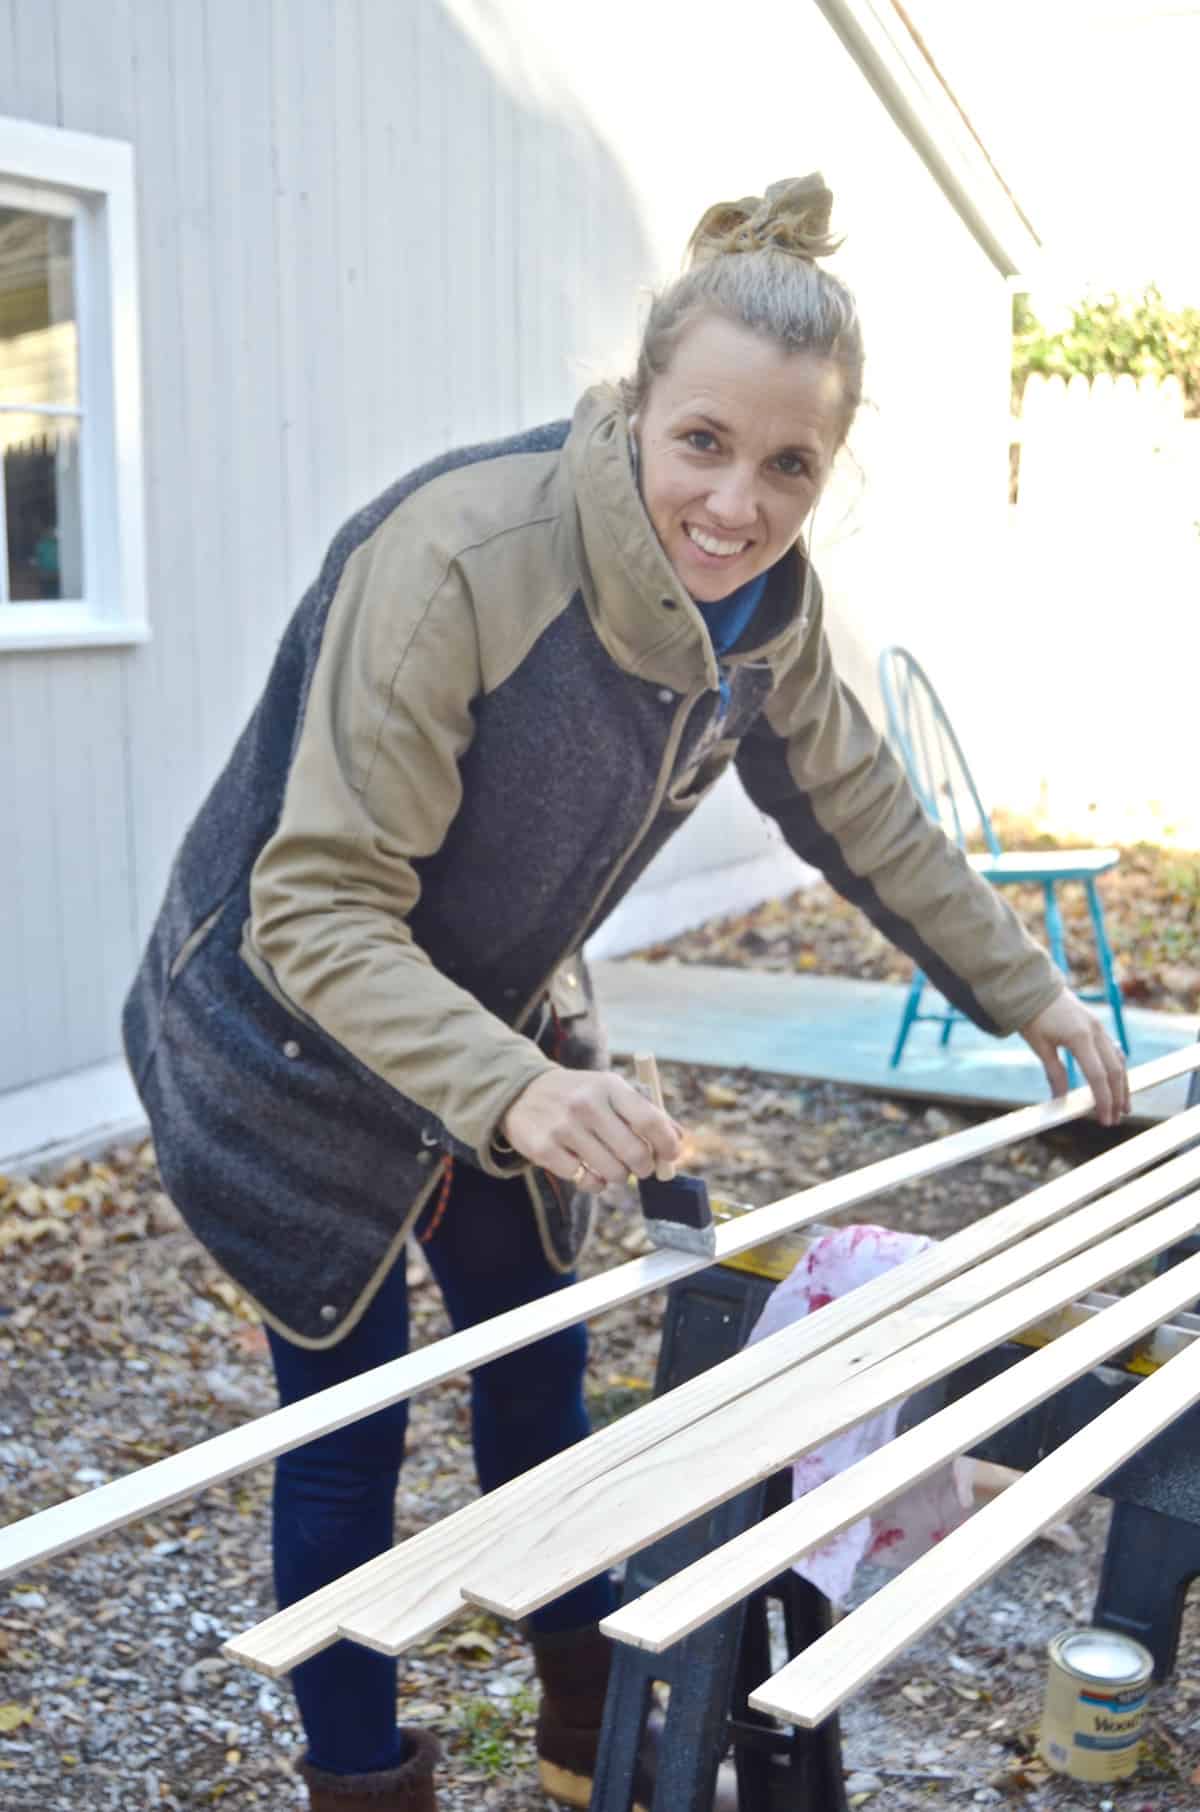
x=818 y=766
x=373 y=787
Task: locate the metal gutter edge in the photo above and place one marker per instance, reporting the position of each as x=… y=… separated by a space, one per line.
x=930 y=120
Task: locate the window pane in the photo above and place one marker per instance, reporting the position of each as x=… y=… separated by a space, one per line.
x=42 y=507
x=39 y=342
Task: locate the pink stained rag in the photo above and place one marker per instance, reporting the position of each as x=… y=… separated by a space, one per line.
x=899 y=1531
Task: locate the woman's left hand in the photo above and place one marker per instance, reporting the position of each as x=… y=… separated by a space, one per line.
x=1067 y=1022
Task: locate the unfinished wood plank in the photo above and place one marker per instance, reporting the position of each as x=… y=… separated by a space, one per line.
x=816 y=1682
x=63 y=1526
x=78 y=1519
x=427 y=1578
x=671 y=1610
x=578 y=1532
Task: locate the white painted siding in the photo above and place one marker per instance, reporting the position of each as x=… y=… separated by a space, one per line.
x=370 y=229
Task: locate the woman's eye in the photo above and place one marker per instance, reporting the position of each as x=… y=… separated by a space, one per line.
x=701 y=440
x=793 y=465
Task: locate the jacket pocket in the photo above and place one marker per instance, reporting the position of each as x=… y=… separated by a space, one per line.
x=193 y=941
x=689 y=787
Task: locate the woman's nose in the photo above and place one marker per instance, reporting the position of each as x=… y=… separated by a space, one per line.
x=731 y=500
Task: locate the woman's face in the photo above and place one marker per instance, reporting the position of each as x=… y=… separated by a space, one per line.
x=735 y=439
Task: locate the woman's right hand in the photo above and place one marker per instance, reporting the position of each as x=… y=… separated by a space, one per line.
x=594 y=1119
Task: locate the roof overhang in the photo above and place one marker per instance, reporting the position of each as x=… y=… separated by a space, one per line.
x=895 y=63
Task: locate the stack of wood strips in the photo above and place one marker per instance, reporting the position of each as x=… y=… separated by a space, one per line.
x=671 y=1461
x=66 y=1525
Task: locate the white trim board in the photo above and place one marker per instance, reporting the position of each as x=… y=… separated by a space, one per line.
x=70 y=1116
x=818 y=1680
x=678 y=1605
x=891 y=59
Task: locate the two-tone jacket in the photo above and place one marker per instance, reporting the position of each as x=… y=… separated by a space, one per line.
x=487 y=715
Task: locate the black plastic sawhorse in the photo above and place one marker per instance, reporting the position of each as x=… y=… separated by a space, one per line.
x=780 y=1768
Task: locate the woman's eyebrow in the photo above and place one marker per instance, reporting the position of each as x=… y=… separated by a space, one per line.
x=710 y=421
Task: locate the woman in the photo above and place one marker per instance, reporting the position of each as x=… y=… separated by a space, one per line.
x=363 y=1013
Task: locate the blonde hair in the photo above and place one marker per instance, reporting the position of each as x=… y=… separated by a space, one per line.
x=754 y=263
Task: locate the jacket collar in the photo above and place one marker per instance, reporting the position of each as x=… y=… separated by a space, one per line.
x=641 y=612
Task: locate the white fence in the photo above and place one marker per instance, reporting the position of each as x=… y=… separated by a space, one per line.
x=1099 y=650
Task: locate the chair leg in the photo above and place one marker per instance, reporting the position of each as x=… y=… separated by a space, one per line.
x=909 y=1014
x=948 y=1024
x=1056 y=938
x=1112 y=988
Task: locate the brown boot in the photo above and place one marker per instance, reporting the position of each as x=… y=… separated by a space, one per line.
x=408 y=1788
x=573 y=1667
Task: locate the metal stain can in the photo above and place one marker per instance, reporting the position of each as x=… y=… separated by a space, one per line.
x=1096 y=1691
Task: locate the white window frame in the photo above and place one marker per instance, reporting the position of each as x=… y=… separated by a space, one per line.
x=92 y=179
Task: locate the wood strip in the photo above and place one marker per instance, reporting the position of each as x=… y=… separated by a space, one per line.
x=61 y=1527
x=428 y=1574
x=816 y=1682
x=580 y=1531
x=670 y=1611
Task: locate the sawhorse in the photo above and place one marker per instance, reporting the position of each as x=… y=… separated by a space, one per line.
x=710 y=1673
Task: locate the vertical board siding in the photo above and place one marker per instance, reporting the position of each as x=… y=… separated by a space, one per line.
x=165 y=678
x=89 y=692
x=245 y=273
x=352 y=253
x=67 y=941
x=10 y=87
x=368 y=229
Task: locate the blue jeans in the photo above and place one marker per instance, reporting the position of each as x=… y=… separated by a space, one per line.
x=335 y=1498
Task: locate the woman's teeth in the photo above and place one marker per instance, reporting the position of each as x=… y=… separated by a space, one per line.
x=710 y=545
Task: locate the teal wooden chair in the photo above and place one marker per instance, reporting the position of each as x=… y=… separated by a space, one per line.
x=923 y=738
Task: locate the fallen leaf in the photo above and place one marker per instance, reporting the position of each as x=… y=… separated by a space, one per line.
x=473 y=1642
x=13 y=1716
x=718 y=1095
x=918 y=1692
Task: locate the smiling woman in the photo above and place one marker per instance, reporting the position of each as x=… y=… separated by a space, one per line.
x=752 y=365
x=363 y=1013
x=735 y=440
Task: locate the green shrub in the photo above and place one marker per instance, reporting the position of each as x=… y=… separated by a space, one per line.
x=1112 y=333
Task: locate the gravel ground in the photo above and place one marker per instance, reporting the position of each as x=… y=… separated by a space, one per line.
x=120 y=1342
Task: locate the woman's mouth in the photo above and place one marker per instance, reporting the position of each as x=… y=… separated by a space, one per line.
x=715 y=547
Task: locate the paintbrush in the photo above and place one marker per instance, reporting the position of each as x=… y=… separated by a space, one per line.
x=675 y=1208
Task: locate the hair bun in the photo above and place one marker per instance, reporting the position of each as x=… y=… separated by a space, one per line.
x=793 y=216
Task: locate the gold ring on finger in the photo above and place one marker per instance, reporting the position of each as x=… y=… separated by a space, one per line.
x=580 y=1173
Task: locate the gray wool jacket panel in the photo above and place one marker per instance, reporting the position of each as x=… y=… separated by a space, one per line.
x=487 y=715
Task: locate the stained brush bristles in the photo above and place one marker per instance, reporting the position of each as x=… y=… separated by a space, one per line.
x=676 y=1208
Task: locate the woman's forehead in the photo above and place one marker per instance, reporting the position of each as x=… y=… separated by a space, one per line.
x=740 y=380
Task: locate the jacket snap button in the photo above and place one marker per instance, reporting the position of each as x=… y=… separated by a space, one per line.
x=292 y=1049
x=427 y=1137
x=666 y=696
x=424 y=1157
x=511 y=993
x=329 y=1313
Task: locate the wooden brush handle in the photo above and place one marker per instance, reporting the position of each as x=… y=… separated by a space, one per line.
x=647 y=1074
